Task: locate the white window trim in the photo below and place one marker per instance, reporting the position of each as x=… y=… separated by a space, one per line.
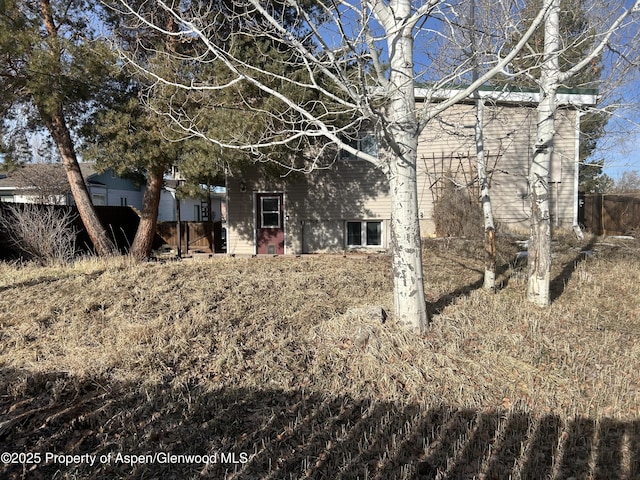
x=96 y=198
x=363 y=232
x=278 y=212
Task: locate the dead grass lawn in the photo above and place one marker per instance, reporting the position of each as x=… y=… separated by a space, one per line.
x=266 y=356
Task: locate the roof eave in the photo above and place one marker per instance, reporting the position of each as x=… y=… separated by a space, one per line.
x=577 y=98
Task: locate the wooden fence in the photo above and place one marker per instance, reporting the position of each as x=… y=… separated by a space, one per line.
x=195 y=236
x=604 y=214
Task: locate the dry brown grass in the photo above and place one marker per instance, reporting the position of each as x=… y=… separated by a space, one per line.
x=267 y=356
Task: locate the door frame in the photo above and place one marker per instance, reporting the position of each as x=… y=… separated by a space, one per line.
x=283 y=208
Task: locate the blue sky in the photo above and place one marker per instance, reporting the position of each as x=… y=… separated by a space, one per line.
x=621 y=146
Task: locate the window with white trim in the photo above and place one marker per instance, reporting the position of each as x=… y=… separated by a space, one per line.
x=364 y=233
x=270 y=212
x=99 y=199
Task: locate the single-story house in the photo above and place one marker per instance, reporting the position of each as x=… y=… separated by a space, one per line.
x=349 y=206
x=35 y=183
x=47 y=183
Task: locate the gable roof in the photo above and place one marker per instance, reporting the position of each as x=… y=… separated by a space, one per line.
x=33 y=175
x=30 y=175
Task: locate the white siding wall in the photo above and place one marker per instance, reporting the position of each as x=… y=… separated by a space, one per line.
x=19 y=198
x=133 y=199
x=167 y=207
x=509 y=139
x=113 y=197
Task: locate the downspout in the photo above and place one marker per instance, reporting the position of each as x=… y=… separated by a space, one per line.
x=179 y=226
x=225 y=223
x=576 y=178
x=557 y=204
x=285 y=221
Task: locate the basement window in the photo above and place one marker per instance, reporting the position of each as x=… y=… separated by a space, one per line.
x=364 y=233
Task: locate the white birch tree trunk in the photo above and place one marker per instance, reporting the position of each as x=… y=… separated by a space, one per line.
x=485 y=199
x=481 y=165
x=539 y=250
x=401 y=150
x=551 y=77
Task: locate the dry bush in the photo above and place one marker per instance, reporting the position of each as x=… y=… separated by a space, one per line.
x=456 y=215
x=41 y=233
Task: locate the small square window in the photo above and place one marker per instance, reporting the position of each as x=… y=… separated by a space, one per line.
x=374 y=233
x=368 y=144
x=99 y=199
x=270 y=204
x=365 y=142
x=270 y=220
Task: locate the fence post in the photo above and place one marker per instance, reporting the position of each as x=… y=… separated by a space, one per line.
x=179 y=227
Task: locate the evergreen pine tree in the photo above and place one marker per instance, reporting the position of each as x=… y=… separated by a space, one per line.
x=51 y=71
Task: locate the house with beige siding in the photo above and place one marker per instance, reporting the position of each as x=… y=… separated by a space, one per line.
x=348 y=206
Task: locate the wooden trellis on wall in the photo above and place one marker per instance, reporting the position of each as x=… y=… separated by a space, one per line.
x=459 y=168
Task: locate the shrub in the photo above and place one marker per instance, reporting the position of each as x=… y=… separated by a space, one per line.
x=456 y=214
x=42 y=233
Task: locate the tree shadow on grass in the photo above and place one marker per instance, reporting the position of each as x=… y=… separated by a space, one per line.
x=133 y=432
x=558 y=285
x=437 y=307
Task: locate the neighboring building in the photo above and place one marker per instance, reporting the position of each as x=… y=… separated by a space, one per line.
x=47 y=183
x=349 y=205
x=108 y=188
x=191 y=209
x=35 y=183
